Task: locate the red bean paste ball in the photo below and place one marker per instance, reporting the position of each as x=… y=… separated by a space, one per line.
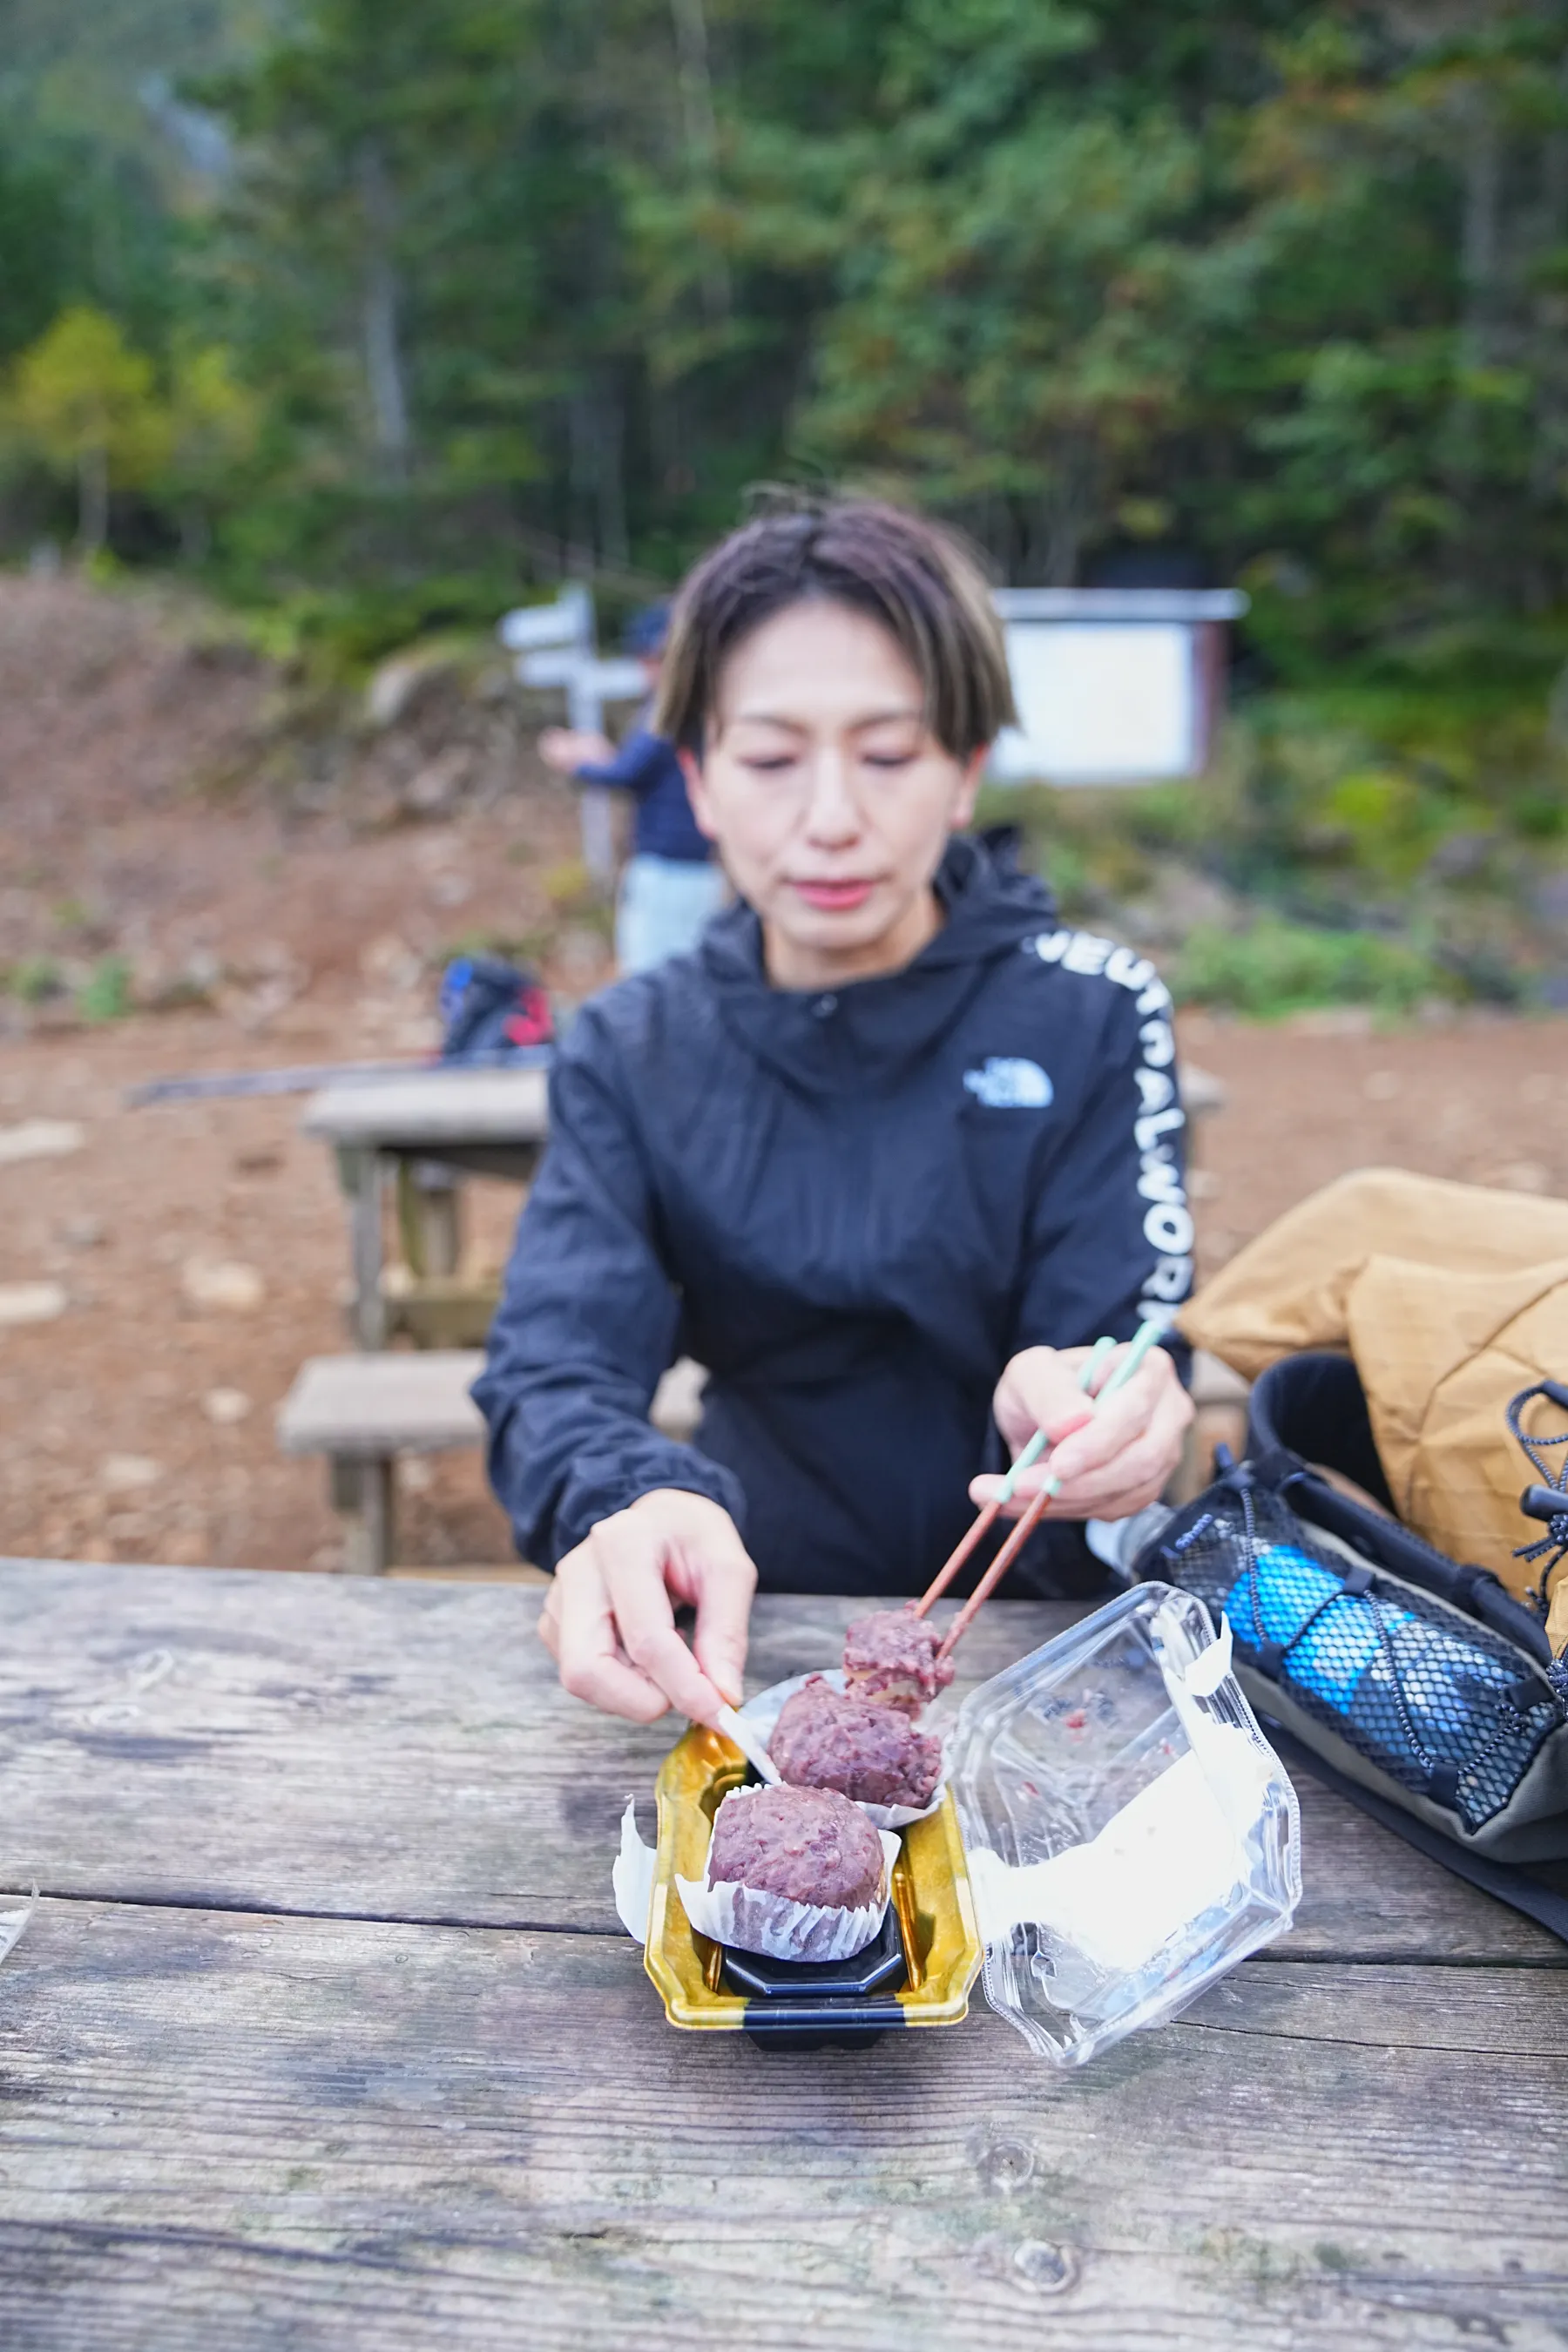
x=891 y=1656
x=825 y=1740
x=806 y=1843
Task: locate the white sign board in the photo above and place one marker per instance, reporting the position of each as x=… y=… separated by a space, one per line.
x=1100 y=701
x=1112 y=686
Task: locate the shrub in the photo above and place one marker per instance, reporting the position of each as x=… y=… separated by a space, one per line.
x=1275 y=967
x=105 y=995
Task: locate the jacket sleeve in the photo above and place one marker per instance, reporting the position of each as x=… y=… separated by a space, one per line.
x=636 y=767
x=1111 y=1234
x=587 y=1324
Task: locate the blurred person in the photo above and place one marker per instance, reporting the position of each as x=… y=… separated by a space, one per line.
x=887 y=1154
x=671 y=884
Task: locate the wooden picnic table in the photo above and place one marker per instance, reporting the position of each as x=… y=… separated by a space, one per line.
x=324 y=2032
x=424 y=1131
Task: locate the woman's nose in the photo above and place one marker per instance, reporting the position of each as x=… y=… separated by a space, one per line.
x=833 y=815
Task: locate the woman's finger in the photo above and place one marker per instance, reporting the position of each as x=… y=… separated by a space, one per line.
x=1038 y=1390
x=1138 y=1448
x=1135 y=1476
x=634 y=1577
x=1120 y=1417
x=1069 y=1464
x=1117 y=1491
x=1118 y=1422
x=586 y=1649
x=722 y=1580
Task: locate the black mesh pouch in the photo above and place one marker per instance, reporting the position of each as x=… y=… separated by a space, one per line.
x=1432 y=1706
x=1415 y=1683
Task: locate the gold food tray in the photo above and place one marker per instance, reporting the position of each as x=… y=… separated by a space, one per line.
x=931 y=1902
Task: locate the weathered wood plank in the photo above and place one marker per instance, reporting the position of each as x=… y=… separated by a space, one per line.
x=1377 y=2005
x=382 y=1403
x=295 y=1742
x=307 y=2133
x=433 y=1108
x=403 y=1751
x=376 y=1403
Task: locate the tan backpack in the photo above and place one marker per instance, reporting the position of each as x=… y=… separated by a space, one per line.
x=1449 y=1299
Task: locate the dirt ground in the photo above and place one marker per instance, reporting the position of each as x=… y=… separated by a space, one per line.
x=136 y=1415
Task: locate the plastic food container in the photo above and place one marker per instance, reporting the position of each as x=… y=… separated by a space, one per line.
x=1130 y=1832
x=917 y=1973
x=1116 y=1835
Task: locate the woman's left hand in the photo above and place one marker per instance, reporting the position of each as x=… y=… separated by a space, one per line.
x=1118 y=1462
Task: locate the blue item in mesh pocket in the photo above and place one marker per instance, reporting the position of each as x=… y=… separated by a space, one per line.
x=1330 y=1636
x=1427 y=1696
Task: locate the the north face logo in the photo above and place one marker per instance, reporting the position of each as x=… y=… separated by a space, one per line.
x=1005 y=1084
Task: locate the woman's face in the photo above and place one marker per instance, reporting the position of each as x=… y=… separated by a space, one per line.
x=827 y=797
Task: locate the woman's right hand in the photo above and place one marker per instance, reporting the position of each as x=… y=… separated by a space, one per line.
x=609 y=1621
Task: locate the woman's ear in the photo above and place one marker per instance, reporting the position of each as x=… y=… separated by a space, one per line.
x=969 y=788
x=697 y=793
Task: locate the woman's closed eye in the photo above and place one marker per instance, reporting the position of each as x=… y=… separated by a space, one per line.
x=896 y=746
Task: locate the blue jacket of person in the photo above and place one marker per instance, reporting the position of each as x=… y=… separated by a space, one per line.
x=854 y=1207
x=646 y=766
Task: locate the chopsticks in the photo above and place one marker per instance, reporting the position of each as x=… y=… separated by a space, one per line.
x=1025 y=1461
x=1147 y=1336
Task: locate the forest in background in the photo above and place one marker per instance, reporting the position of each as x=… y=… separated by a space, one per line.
x=367 y=320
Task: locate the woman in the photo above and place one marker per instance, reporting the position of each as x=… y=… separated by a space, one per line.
x=887 y=1153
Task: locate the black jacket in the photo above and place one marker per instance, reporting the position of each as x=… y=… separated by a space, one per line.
x=854 y=1207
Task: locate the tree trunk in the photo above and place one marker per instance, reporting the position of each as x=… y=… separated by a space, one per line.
x=1066 y=509
x=92 y=498
x=1482 y=248
x=383 y=355
x=582 y=484
x=695 y=79
x=195 y=533
x=609 y=466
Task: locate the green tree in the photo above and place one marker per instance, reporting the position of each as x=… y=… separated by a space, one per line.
x=39 y=244
x=88 y=402
x=1397 y=398
x=214 y=431
x=1279 y=288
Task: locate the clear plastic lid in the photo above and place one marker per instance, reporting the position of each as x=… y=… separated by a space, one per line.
x=1130 y=1832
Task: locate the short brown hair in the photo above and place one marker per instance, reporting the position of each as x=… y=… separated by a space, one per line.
x=918 y=580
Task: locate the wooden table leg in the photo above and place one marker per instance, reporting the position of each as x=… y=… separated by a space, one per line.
x=369 y=1538
x=429 y=1200
x=364 y=1169
x=345 y=1488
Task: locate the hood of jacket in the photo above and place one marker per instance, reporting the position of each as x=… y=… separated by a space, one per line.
x=864 y=1034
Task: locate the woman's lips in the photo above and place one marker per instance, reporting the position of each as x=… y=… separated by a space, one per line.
x=833 y=898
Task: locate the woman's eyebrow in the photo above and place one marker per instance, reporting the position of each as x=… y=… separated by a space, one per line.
x=801 y=726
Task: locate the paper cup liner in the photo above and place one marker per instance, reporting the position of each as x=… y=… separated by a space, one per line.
x=763 y=1712
x=751 y=1920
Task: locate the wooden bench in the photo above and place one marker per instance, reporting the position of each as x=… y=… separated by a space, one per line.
x=362 y=1411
